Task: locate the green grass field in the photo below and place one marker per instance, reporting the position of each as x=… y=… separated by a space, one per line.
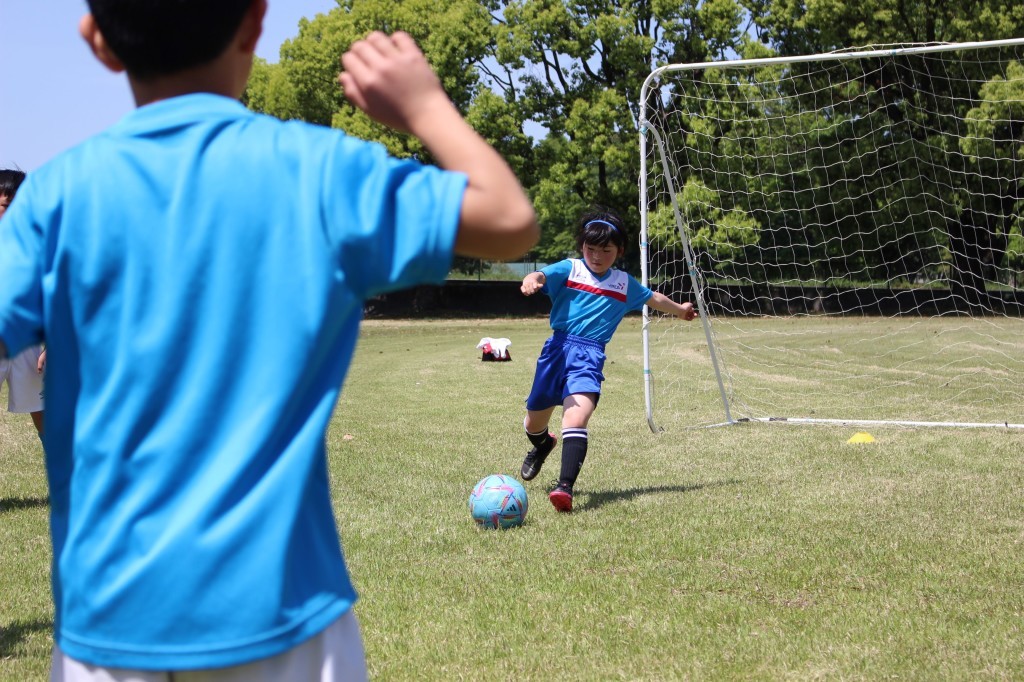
x=752 y=552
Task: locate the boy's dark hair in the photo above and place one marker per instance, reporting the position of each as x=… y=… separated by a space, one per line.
x=10 y=181
x=601 y=226
x=161 y=37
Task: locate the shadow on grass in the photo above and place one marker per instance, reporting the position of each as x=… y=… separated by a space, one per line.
x=14 y=634
x=592 y=500
x=14 y=503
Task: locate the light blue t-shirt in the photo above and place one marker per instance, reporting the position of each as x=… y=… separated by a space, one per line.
x=198 y=273
x=583 y=304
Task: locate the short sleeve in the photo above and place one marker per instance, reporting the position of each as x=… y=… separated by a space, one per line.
x=637 y=294
x=393 y=221
x=555 y=276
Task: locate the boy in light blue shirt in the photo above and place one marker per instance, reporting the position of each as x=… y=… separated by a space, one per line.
x=198 y=272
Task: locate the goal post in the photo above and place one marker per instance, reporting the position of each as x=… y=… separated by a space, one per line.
x=849 y=226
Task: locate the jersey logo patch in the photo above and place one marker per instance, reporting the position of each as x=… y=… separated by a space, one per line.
x=582 y=279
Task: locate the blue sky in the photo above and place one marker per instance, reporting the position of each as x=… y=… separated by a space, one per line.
x=54 y=94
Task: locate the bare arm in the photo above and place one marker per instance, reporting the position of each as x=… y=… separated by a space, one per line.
x=664 y=304
x=389 y=78
x=533 y=283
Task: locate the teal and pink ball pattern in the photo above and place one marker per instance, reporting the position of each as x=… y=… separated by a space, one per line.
x=498 y=501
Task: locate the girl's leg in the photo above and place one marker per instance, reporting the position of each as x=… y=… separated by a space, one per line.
x=536 y=425
x=576 y=411
x=537 y=420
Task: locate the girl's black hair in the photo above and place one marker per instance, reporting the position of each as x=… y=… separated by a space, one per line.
x=601 y=226
x=10 y=181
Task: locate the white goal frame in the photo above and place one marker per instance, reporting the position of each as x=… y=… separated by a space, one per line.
x=656 y=167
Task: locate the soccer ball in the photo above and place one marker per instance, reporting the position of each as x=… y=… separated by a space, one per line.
x=498 y=501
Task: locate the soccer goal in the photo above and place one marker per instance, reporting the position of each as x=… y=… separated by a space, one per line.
x=849 y=226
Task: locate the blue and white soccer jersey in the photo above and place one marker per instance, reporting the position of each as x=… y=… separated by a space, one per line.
x=585 y=312
x=584 y=305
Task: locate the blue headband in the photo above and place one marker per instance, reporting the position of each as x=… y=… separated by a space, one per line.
x=602 y=222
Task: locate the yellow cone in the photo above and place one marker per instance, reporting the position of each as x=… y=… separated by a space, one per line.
x=861 y=437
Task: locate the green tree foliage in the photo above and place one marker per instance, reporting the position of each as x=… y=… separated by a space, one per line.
x=556 y=87
x=796 y=27
x=977 y=231
x=995 y=143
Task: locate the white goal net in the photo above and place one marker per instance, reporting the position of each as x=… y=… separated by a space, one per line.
x=850 y=226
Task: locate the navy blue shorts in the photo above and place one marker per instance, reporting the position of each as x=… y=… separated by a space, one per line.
x=567 y=364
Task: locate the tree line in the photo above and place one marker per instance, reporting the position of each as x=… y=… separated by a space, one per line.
x=555 y=86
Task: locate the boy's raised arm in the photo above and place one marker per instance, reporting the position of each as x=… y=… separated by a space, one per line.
x=389 y=78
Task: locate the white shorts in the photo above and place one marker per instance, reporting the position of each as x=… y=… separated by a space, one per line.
x=24 y=382
x=334 y=655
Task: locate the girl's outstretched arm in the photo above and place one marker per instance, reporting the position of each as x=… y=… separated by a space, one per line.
x=664 y=304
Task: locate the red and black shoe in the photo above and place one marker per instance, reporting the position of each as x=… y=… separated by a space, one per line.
x=561 y=497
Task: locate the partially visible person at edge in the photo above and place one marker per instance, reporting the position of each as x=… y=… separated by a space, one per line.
x=24 y=372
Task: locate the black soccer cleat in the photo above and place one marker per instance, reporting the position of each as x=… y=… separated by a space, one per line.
x=535 y=458
x=561 y=497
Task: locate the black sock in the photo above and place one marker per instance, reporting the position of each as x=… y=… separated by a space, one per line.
x=539 y=440
x=574 y=451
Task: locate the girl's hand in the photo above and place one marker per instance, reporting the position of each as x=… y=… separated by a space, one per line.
x=688 y=312
x=532 y=283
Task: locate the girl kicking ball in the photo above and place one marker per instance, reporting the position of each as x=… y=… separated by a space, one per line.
x=589 y=298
